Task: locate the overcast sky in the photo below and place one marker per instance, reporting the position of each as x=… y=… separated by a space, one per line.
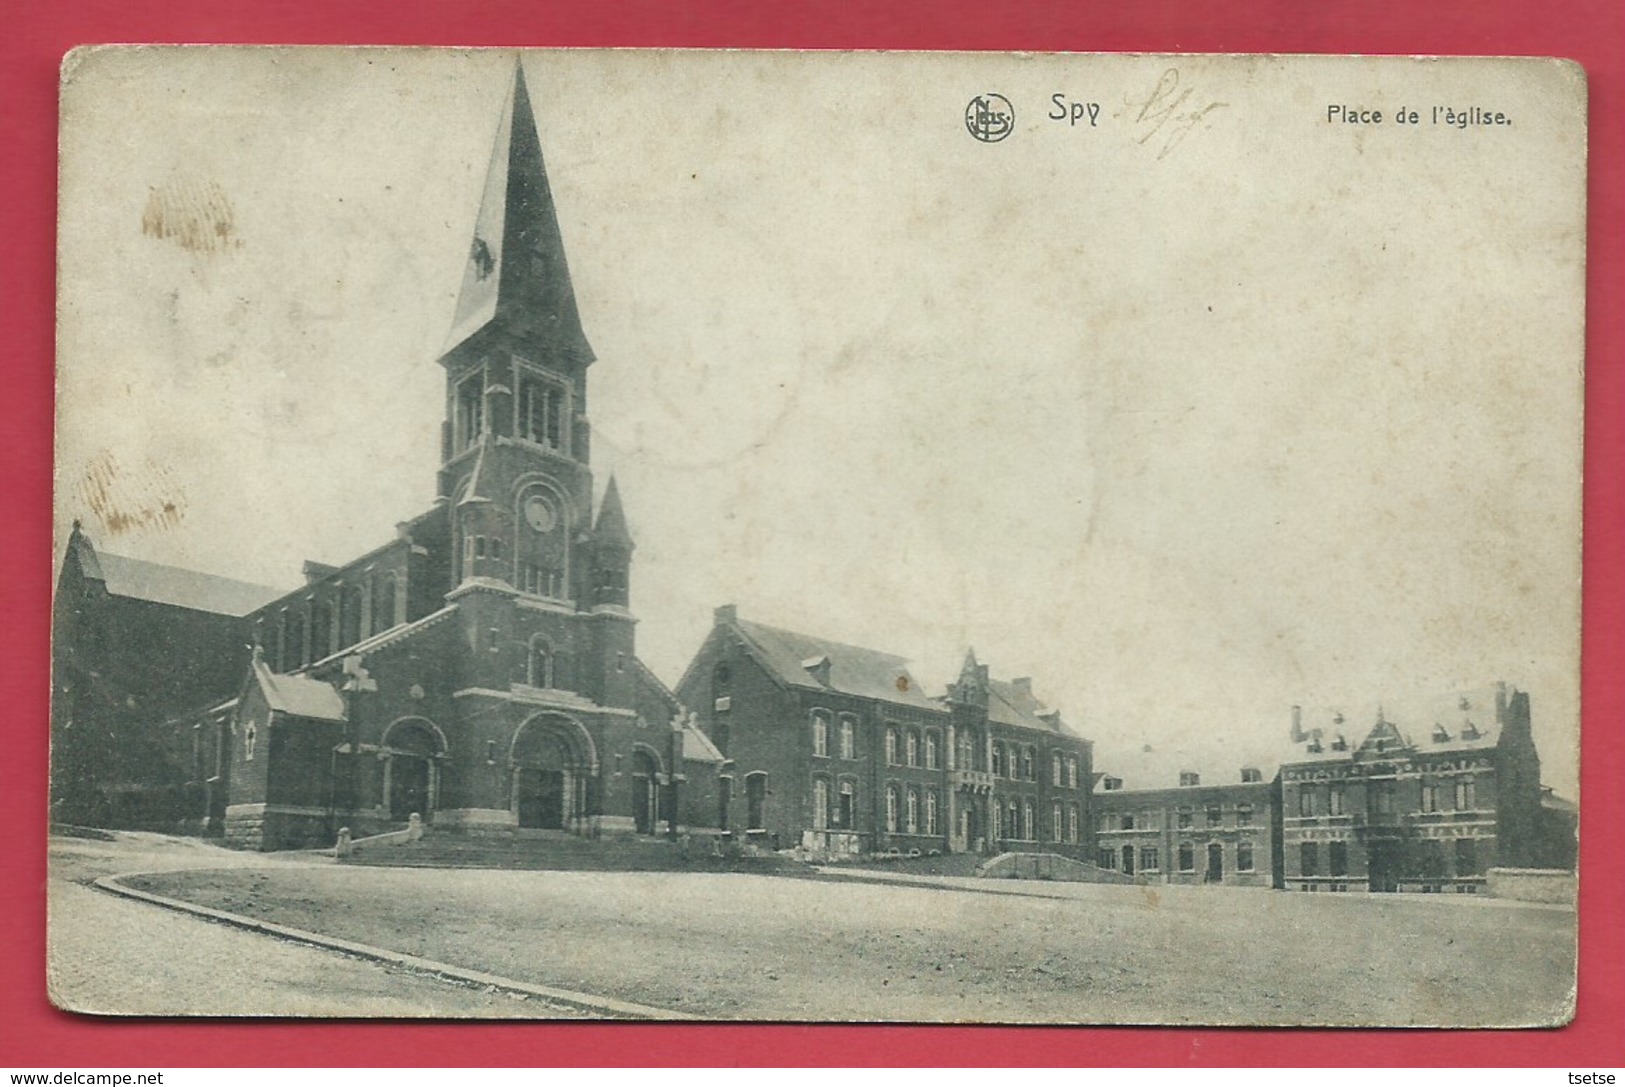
x=1205 y=409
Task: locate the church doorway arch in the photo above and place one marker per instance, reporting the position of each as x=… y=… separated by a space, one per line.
x=646 y=777
x=553 y=761
x=411 y=753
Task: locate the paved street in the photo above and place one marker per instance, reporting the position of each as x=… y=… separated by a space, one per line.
x=108 y=954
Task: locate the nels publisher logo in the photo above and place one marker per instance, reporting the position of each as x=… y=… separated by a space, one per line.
x=990 y=117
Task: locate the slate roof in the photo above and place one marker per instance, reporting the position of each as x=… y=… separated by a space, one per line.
x=854 y=670
x=299 y=695
x=1457 y=721
x=1009 y=704
x=181 y=588
x=1217 y=760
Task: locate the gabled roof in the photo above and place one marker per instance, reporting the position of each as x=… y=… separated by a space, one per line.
x=516 y=269
x=851 y=669
x=137 y=579
x=298 y=695
x=1457 y=721
x=697 y=746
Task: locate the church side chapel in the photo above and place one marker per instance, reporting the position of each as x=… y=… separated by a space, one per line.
x=478 y=671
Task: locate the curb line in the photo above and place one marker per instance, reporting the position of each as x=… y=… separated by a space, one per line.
x=601 y=1005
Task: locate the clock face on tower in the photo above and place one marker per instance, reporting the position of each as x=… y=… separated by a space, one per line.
x=539 y=515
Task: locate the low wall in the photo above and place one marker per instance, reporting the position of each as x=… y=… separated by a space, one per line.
x=1048 y=866
x=1532 y=884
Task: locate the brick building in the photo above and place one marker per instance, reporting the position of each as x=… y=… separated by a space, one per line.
x=1427 y=804
x=134 y=646
x=479 y=667
x=1195 y=832
x=838 y=749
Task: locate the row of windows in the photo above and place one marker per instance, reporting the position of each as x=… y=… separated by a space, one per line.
x=534 y=578
x=1427 y=861
x=1149 y=858
x=298 y=636
x=923 y=748
x=539 y=411
x=1381 y=800
x=1184 y=818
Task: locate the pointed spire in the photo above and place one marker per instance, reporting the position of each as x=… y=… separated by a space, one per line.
x=611 y=525
x=516 y=271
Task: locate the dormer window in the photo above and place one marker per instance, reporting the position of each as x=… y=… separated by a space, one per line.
x=1470 y=731
x=1441 y=735
x=1340 y=742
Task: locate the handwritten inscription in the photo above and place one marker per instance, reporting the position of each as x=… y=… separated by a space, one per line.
x=1170 y=113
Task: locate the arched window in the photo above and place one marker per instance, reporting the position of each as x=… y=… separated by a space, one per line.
x=539 y=671
x=998 y=759
x=350 y=631
x=1187 y=857
x=849 y=748
x=1072 y=773
x=933 y=754
x=1029 y=827
x=913 y=746
x=386 y=603
x=1029 y=764
x=756 y=801
x=967 y=750
x=1073 y=821
x=912 y=811
x=891 y=746
x=1057 y=823
x=846 y=805
x=321 y=630
x=891 y=809
x=931 y=811
x=540 y=411
x=250 y=734
x=820 y=813
x=820 y=736
x=1012 y=820
x=1055 y=769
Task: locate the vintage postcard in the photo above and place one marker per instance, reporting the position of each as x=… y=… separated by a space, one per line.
x=818 y=537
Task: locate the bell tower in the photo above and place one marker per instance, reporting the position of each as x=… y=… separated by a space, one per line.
x=516 y=443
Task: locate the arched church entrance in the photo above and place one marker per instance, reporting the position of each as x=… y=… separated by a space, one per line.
x=645 y=790
x=411 y=752
x=553 y=764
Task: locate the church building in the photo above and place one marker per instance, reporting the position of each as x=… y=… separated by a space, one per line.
x=478 y=669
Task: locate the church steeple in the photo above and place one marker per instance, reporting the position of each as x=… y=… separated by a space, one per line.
x=612 y=550
x=517 y=280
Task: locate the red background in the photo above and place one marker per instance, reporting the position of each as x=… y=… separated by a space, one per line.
x=32 y=44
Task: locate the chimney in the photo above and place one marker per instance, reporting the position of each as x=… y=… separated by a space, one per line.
x=1500 y=702
x=727 y=613
x=1297 y=725
x=1024 y=684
